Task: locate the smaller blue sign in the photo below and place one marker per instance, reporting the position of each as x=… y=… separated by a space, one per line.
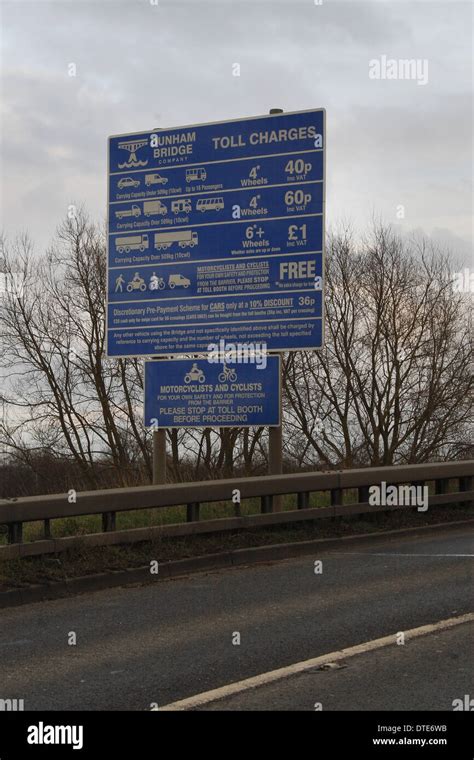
x=205 y=393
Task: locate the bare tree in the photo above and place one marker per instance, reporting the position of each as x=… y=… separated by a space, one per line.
x=393 y=382
x=69 y=398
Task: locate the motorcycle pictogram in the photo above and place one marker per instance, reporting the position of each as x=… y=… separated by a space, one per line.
x=195 y=374
x=138 y=283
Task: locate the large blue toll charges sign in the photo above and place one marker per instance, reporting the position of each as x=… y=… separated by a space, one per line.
x=217 y=231
x=195 y=393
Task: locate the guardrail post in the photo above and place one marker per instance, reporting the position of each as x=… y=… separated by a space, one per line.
x=363 y=498
x=192 y=512
x=47 y=529
x=302 y=500
x=266 y=504
x=15 y=533
x=336 y=499
x=465 y=484
x=441 y=486
x=108 y=521
x=275 y=464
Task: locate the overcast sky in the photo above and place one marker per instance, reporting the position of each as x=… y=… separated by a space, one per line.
x=141 y=65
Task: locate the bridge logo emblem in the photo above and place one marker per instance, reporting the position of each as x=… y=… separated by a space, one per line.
x=132 y=146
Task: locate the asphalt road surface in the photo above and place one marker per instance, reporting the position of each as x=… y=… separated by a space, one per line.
x=141 y=646
x=429 y=673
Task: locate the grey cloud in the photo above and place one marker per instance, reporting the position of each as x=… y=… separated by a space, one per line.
x=140 y=66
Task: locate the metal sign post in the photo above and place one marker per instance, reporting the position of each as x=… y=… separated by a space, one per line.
x=159 y=456
x=275 y=457
x=275 y=434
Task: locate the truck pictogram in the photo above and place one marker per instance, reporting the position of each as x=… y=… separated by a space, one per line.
x=184 y=238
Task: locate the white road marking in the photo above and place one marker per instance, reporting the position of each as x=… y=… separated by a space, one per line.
x=300 y=667
x=400 y=554
x=16 y=643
